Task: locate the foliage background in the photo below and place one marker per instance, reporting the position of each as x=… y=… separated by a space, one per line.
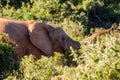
x=98 y=60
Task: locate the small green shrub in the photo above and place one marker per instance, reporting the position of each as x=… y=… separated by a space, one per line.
x=6 y=57
x=30 y=69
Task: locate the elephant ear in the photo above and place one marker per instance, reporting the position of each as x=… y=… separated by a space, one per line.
x=40 y=38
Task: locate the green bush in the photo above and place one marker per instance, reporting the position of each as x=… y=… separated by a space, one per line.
x=95 y=61
x=98 y=60
x=30 y=69
x=6 y=57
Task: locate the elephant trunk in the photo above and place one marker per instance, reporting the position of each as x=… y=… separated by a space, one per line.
x=75 y=45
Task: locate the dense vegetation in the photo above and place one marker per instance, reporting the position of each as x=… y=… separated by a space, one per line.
x=98 y=60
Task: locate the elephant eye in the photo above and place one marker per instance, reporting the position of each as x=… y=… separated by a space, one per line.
x=63 y=39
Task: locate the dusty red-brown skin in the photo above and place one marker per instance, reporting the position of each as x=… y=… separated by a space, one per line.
x=33 y=37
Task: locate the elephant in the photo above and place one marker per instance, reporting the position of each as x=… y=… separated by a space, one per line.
x=37 y=38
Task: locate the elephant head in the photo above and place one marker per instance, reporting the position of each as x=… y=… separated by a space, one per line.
x=49 y=38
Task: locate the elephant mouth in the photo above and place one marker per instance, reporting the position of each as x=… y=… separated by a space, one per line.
x=61 y=50
x=64 y=50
